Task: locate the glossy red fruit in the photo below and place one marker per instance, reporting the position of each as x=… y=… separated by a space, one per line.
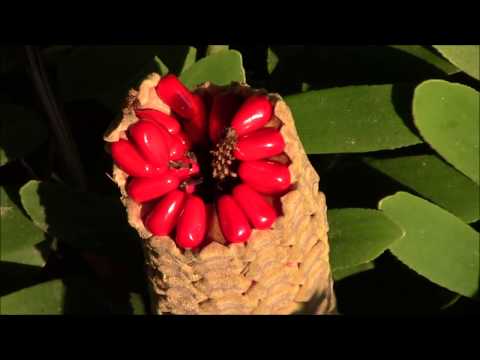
x=192 y=224
x=252 y=115
x=259 y=144
x=129 y=160
x=145 y=189
x=168 y=122
x=151 y=142
x=267 y=177
x=233 y=222
x=196 y=126
x=259 y=212
x=173 y=93
x=184 y=139
x=188 y=168
x=190 y=188
x=178 y=146
x=146 y=208
x=224 y=106
x=164 y=215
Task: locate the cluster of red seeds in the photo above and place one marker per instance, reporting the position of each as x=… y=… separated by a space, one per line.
x=168 y=159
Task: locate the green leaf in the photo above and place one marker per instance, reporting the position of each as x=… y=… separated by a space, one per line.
x=350 y=119
x=106 y=73
x=162 y=68
x=434 y=179
x=189 y=59
x=343 y=273
x=21 y=132
x=272 y=60
x=214 y=49
x=466 y=57
x=359 y=235
x=19 y=237
x=437 y=244
x=220 y=69
x=138 y=304
x=305 y=87
x=84 y=220
x=42 y=299
x=452 y=302
x=428 y=56
x=447 y=116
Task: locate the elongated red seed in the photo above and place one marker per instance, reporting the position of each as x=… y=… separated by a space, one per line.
x=252 y=115
x=267 y=177
x=259 y=144
x=192 y=224
x=145 y=189
x=233 y=222
x=224 y=106
x=259 y=212
x=196 y=126
x=129 y=160
x=178 y=146
x=168 y=122
x=164 y=215
x=151 y=142
x=190 y=188
x=146 y=208
x=171 y=91
x=188 y=167
x=184 y=139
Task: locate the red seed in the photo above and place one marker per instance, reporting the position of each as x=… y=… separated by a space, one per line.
x=259 y=212
x=233 y=222
x=146 y=208
x=196 y=126
x=145 y=189
x=129 y=160
x=190 y=188
x=188 y=168
x=163 y=217
x=192 y=224
x=259 y=144
x=267 y=177
x=151 y=141
x=160 y=118
x=178 y=146
x=252 y=115
x=172 y=92
x=184 y=139
x=223 y=108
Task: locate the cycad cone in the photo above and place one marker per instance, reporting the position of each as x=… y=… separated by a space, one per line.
x=279 y=271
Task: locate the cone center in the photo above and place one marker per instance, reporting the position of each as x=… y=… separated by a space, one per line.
x=223 y=160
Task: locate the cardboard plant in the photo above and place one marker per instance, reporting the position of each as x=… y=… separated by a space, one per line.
x=224 y=199
x=216 y=188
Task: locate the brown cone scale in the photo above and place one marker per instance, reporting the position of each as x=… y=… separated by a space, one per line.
x=283 y=270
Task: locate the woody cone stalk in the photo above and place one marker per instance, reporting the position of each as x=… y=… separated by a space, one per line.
x=226 y=204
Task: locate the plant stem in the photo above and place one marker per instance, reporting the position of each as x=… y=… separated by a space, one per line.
x=57 y=121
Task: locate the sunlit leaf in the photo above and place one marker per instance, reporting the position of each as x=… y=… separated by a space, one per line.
x=447 y=116
x=437 y=244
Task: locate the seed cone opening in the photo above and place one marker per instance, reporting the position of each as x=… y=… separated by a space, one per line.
x=278 y=269
x=223 y=158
